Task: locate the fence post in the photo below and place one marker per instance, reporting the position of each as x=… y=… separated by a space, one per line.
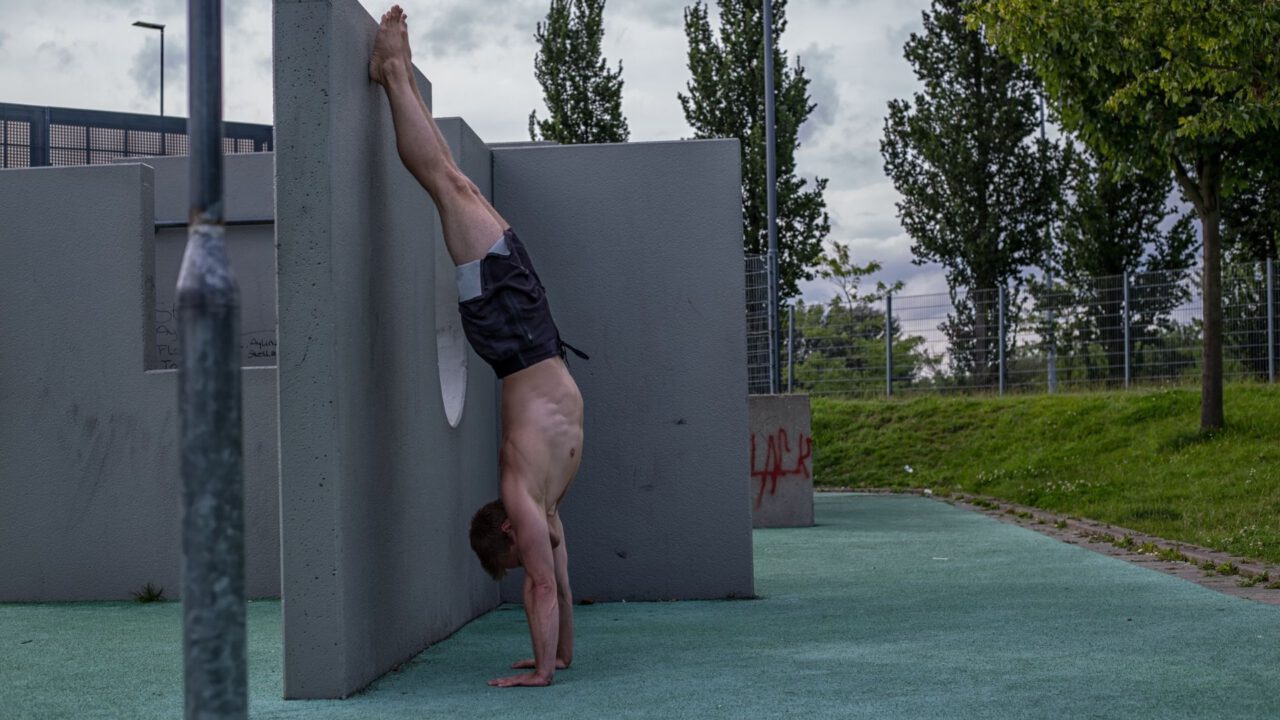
x=209 y=407
x=39 y=138
x=888 y=344
x=1053 y=342
x=791 y=348
x=1271 y=320
x=1000 y=302
x=1127 y=354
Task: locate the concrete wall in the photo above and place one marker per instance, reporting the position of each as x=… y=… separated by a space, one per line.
x=639 y=246
x=377 y=487
x=89 y=478
x=249 y=196
x=781 y=461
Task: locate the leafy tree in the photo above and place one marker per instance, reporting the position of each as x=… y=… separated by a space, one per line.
x=840 y=346
x=726 y=99
x=1112 y=225
x=977 y=187
x=1250 y=236
x=583 y=96
x=1251 y=205
x=1187 y=85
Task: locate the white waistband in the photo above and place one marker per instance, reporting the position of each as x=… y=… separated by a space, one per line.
x=468 y=274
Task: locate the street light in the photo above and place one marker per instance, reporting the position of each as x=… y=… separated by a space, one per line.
x=157 y=26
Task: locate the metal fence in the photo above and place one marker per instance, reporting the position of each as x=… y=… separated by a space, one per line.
x=757 y=324
x=1037 y=336
x=32 y=136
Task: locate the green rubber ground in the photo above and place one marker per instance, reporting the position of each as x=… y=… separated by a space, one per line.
x=892 y=607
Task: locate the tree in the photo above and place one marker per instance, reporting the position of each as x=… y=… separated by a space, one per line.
x=583 y=96
x=1251 y=205
x=977 y=187
x=1189 y=85
x=726 y=99
x=840 y=346
x=1112 y=226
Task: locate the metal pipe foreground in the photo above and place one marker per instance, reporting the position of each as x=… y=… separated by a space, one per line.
x=209 y=405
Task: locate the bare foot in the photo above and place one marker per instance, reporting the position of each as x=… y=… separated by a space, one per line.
x=391 y=46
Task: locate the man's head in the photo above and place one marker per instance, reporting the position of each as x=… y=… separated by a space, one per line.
x=493 y=540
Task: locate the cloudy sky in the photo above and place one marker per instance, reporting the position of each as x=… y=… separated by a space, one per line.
x=479 y=57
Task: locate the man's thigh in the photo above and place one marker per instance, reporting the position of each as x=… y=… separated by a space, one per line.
x=471 y=225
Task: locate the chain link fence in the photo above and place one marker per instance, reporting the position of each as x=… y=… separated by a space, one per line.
x=1038 y=336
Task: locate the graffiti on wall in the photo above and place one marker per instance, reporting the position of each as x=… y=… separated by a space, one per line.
x=257 y=347
x=781 y=460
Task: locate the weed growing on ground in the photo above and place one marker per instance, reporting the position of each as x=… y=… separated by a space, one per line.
x=148 y=594
x=1247 y=580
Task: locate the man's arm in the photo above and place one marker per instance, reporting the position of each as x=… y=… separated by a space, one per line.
x=564 y=602
x=564 y=599
x=540 y=606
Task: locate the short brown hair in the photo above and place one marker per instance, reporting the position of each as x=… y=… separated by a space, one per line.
x=488 y=540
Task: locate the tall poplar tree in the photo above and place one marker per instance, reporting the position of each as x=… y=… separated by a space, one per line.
x=726 y=99
x=583 y=96
x=978 y=187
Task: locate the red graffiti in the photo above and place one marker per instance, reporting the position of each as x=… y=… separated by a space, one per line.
x=778 y=448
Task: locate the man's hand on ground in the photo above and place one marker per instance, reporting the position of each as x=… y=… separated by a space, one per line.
x=521 y=680
x=529 y=664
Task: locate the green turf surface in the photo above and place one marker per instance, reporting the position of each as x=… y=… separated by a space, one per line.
x=892 y=607
x=1134 y=459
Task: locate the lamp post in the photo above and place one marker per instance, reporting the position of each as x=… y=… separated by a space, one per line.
x=160 y=27
x=771 y=203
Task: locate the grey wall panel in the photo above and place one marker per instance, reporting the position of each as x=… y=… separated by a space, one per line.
x=89 y=479
x=249 y=196
x=377 y=488
x=639 y=246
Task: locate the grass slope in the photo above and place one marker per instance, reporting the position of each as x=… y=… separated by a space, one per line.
x=1132 y=458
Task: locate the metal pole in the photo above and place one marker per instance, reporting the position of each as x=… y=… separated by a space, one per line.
x=791 y=348
x=209 y=405
x=1053 y=342
x=161 y=71
x=1000 y=311
x=1053 y=352
x=1127 y=355
x=771 y=192
x=1271 y=320
x=888 y=345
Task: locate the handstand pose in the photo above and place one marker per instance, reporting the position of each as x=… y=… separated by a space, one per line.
x=507 y=319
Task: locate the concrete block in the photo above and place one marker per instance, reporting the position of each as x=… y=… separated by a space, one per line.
x=89 y=477
x=639 y=246
x=378 y=477
x=781 y=461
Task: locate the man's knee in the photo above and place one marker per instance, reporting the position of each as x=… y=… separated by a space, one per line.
x=452 y=185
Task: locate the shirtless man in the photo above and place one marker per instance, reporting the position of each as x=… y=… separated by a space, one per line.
x=508 y=322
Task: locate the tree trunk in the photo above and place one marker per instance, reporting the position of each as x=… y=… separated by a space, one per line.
x=1211 y=417
x=1205 y=192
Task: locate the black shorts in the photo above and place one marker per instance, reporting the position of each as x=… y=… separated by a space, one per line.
x=509 y=323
